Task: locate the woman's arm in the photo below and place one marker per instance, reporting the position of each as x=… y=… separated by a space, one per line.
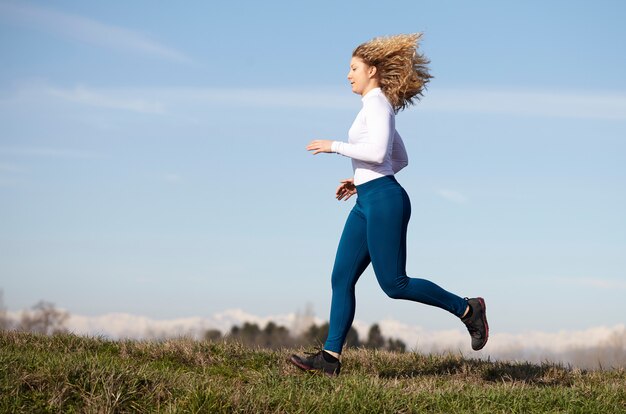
x=380 y=122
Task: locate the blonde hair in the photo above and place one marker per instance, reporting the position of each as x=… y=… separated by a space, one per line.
x=402 y=71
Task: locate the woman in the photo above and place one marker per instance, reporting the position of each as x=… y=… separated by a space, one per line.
x=389 y=74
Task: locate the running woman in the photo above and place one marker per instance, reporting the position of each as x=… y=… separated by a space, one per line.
x=389 y=74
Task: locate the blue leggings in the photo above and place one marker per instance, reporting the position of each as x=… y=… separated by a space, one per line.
x=375 y=232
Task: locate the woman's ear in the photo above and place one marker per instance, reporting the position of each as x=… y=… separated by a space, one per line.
x=372 y=71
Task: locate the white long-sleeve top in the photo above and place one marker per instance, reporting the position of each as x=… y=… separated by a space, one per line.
x=374 y=145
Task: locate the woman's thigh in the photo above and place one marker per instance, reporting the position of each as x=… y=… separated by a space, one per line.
x=387 y=220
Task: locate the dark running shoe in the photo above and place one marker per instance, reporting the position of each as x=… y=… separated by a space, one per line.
x=316 y=362
x=476 y=323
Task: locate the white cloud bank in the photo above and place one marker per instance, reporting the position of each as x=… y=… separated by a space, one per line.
x=586 y=348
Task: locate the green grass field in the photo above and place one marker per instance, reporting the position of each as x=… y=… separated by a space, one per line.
x=67 y=373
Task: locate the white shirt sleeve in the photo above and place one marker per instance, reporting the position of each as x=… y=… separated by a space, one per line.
x=380 y=130
x=399 y=157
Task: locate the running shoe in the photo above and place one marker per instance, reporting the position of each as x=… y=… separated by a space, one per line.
x=316 y=362
x=476 y=323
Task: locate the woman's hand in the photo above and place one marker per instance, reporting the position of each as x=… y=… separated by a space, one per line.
x=346 y=189
x=320 y=145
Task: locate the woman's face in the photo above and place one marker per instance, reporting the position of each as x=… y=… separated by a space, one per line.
x=361 y=76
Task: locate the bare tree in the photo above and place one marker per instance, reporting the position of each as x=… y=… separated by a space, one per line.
x=5 y=323
x=44 y=319
x=303 y=321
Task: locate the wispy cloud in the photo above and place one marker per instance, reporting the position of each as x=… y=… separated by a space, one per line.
x=11 y=175
x=91 y=97
x=87 y=30
x=11 y=168
x=161 y=100
x=171 y=178
x=48 y=152
x=11 y=182
x=594 y=282
x=176 y=99
x=560 y=104
x=453 y=196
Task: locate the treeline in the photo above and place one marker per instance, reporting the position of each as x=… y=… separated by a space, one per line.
x=45 y=318
x=273 y=336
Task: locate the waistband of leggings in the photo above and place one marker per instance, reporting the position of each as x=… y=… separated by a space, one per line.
x=377 y=184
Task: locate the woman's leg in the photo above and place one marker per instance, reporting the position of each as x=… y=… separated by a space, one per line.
x=387 y=221
x=351 y=260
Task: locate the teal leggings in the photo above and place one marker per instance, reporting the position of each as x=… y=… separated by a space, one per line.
x=375 y=232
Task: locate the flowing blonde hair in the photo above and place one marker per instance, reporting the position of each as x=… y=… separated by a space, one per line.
x=402 y=71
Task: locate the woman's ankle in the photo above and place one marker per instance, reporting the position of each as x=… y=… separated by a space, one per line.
x=333 y=354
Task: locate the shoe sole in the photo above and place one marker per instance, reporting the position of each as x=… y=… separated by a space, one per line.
x=310 y=369
x=484 y=309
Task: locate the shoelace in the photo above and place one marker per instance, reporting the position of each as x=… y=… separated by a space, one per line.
x=314 y=353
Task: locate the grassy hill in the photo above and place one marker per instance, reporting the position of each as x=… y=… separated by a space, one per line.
x=67 y=373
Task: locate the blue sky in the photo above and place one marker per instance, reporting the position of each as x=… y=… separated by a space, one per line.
x=152 y=157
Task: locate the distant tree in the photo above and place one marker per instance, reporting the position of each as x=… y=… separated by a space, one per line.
x=270 y=329
x=375 y=339
x=272 y=336
x=395 y=345
x=5 y=323
x=352 y=339
x=275 y=336
x=212 y=335
x=315 y=335
x=248 y=334
x=44 y=318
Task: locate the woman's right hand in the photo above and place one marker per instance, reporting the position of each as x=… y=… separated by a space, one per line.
x=346 y=189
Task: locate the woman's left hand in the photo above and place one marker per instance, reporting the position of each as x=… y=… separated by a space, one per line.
x=346 y=189
x=320 y=145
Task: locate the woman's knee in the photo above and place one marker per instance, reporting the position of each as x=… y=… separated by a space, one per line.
x=395 y=288
x=341 y=279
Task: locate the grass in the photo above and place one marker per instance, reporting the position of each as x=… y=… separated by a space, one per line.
x=67 y=373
